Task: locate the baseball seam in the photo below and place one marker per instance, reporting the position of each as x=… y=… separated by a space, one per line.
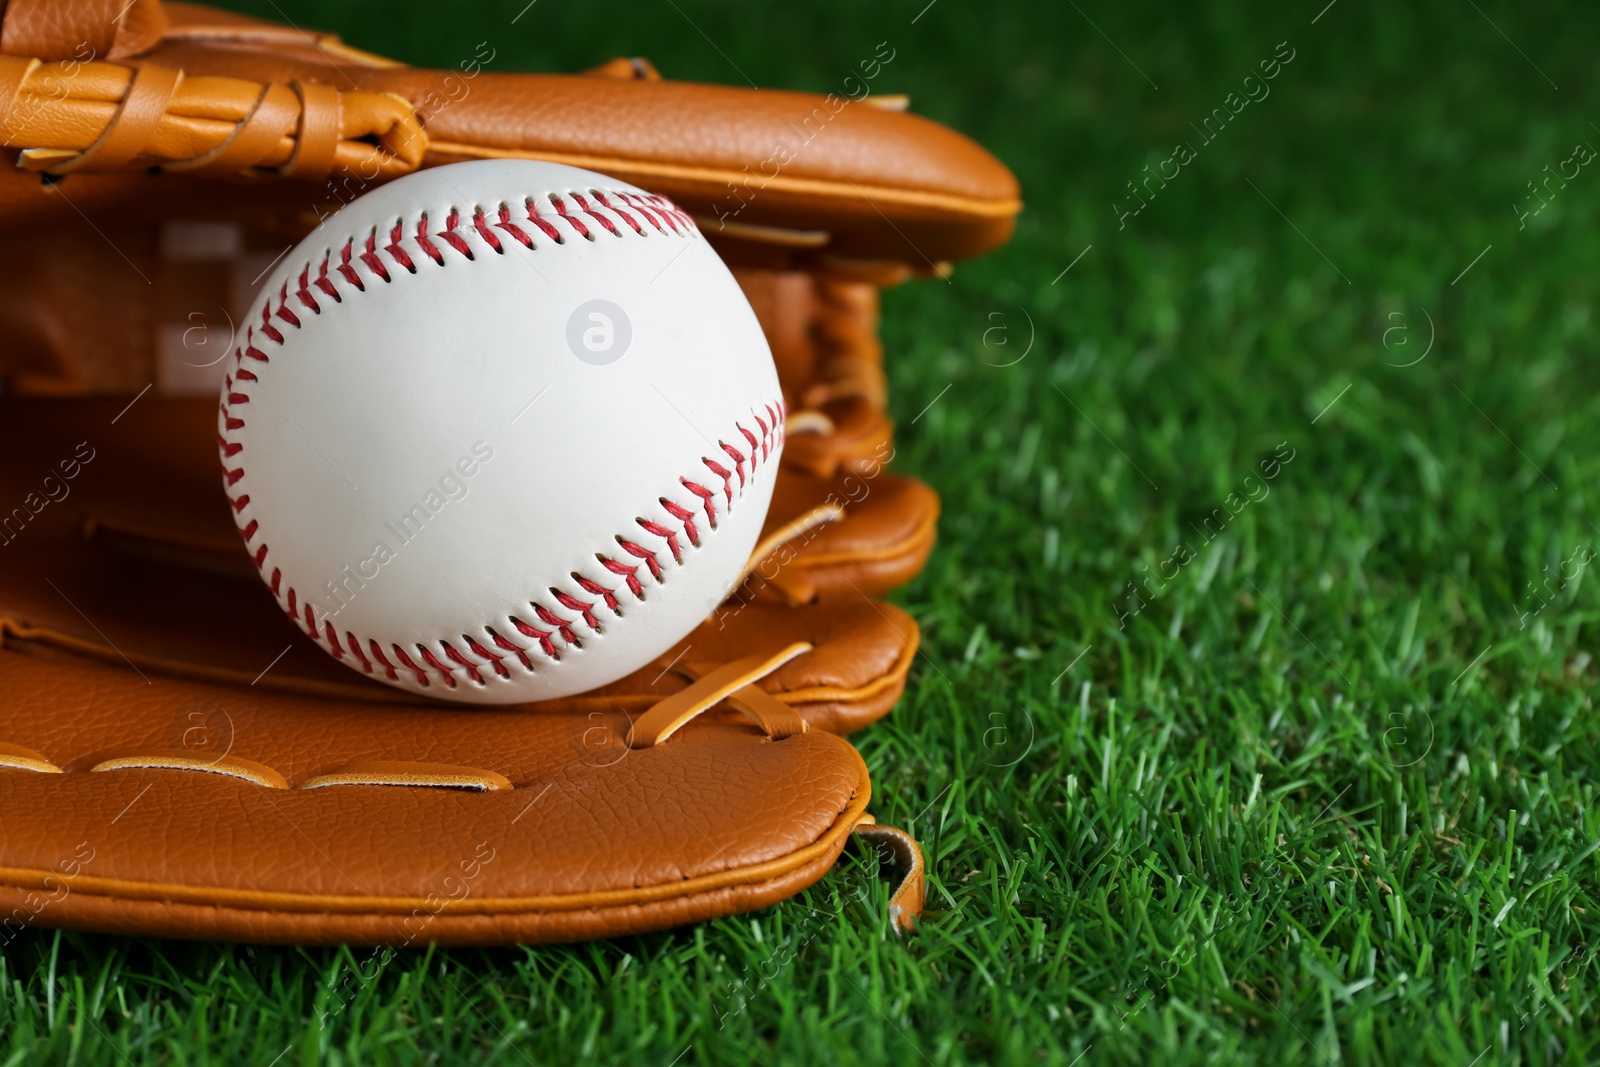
x=611 y=212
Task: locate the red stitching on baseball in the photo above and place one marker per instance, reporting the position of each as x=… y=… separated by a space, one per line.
x=471 y=668
x=600 y=198
x=639 y=551
x=649 y=213
x=266 y=323
x=283 y=307
x=706 y=495
x=628 y=574
x=550 y=618
x=727 y=479
x=661 y=214
x=481 y=224
x=512 y=228
x=509 y=647
x=449 y=679
x=425 y=243
x=377 y=654
x=451 y=237
x=422 y=675
x=577 y=223
x=304 y=292
x=685 y=516
x=738 y=460
x=589 y=585
x=346 y=270
x=662 y=532
x=399 y=254
x=582 y=607
x=324 y=282
x=583 y=205
x=547 y=646
x=355 y=647
x=540 y=221
x=478 y=650
x=370 y=258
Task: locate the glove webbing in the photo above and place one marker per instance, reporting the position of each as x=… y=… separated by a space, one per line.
x=86 y=117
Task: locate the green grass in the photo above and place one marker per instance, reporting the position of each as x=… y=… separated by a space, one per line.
x=1328 y=797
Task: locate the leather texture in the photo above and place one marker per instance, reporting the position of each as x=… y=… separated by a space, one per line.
x=584 y=838
x=321 y=807
x=100 y=117
x=110 y=28
x=776 y=170
x=138 y=656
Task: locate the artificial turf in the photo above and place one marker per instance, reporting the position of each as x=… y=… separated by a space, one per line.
x=1325 y=794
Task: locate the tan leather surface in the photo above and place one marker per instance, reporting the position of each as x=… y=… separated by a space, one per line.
x=882 y=184
x=50 y=29
x=593 y=839
x=884 y=541
x=176 y=757
x=137 y=562
x=905 y=905
x=824 y=337
x=100 y=116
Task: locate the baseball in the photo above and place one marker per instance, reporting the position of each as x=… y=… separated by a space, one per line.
x=500 y=431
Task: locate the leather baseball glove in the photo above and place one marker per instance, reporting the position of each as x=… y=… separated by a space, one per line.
x=176 y=758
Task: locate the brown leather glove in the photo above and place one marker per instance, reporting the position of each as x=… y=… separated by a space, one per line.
x=132 y=119
x=177 y=758
x=184 y=809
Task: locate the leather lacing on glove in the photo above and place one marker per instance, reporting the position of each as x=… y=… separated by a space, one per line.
x=105 y=117
x=732 y=684
x=186 y=94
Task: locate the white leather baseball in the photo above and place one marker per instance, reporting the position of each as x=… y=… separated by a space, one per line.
x=501 y=431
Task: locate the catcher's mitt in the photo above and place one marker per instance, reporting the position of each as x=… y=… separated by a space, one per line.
x=700 y=786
